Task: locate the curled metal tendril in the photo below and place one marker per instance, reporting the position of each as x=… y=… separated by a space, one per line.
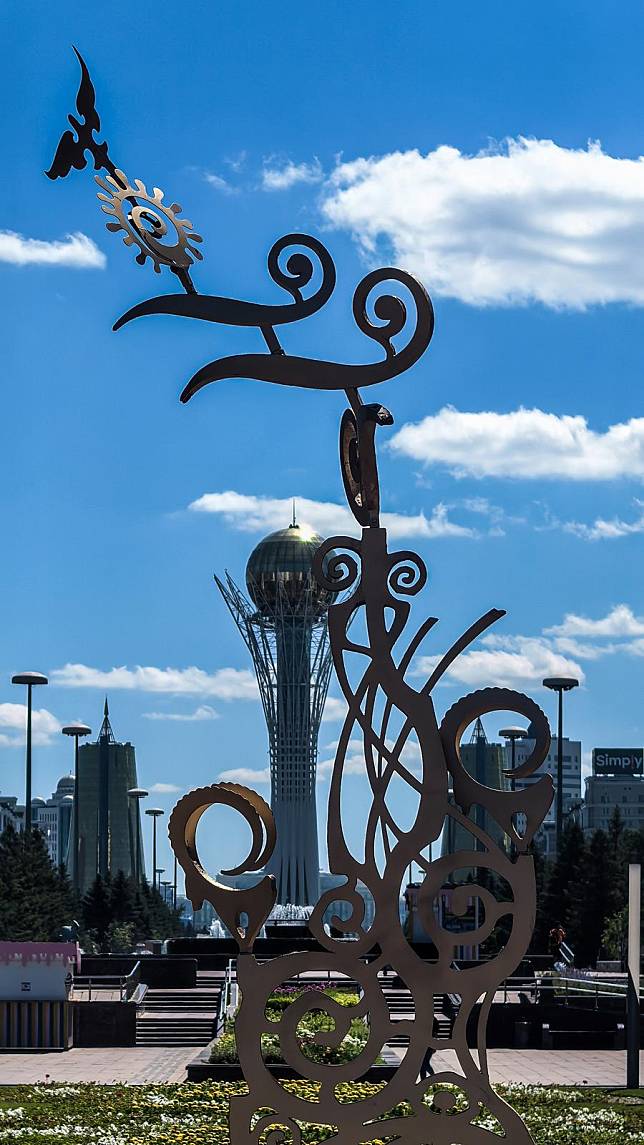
x=334 y=565
x=407 y=574
x=299 y=266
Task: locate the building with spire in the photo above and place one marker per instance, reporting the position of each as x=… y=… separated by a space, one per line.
x=485 y=762
x=106 y=814
x=284 y=626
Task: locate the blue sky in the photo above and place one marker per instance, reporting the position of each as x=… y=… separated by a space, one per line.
x=494 y=152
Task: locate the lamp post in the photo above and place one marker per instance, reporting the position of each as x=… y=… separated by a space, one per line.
x=513 y=734
x=159 y=872
x=31 y=680
x=154 y=812
x=76 y=731
x=560 y=684
x=165 y=884
x=137 y=793
x=174 y=887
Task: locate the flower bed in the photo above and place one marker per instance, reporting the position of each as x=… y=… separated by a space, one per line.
x=309 y=1031
x=197 y=1114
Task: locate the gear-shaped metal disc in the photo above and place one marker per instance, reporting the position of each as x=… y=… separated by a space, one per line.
x=145 y=221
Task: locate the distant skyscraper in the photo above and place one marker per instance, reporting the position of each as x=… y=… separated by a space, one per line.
x=485 y=763
x=107 y=816
x=571 y=753
x=284 y=625
x=54 y=817
x=10 y=814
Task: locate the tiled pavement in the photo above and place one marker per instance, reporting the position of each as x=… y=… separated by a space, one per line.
x=547 y=1067
x=140 y=1065
x=137 y=1065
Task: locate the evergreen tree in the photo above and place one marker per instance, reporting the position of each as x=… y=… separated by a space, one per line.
x=96 y=907
x=562 y=896
x=36 y=899
x=596 y=900
x=122 y=898
x=539 y=943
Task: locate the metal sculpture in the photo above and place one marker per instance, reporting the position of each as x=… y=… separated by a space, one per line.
x=375 y=588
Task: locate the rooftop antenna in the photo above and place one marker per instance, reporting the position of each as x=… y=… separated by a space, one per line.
x=293 y=523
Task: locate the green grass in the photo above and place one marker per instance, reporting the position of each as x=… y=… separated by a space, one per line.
x=197 y=1114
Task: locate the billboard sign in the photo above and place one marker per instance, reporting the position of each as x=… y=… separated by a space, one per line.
x=618 y=761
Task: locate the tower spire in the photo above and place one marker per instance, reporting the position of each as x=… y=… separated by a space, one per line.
x=294 y=522
x=106 y=732
x=478 y=734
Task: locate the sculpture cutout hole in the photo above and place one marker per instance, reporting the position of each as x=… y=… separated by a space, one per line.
x=445 y=1101
x=223 y=840
x=519 y=824
x=486 y=755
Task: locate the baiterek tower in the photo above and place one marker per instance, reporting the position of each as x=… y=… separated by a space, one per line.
x=284 y=626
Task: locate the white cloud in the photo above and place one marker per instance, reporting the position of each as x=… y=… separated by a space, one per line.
x=620 y=621
x=75 y=250
x=252 y=514
x=282 y=176
x=606 y=530
x=164 y=789
x=506 y=662
x=524 y=444
x=521 y=221
x=246 y=775
x=524 y=661
x=203 y=712
x=335 y=708
x=13 y=718
x=225 y=683
x=219 y=183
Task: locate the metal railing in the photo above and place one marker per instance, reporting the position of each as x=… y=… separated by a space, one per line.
x=229 y=995
x=97 y=984
x=571 y=988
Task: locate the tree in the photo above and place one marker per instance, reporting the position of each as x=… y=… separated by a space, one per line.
x=122 y=898
x=97 y=910
x=561 y=899
x=111 y=905
x=615 y=936
x=541 y=876
x=36 y=899
x=596 y=900
x=120 y=937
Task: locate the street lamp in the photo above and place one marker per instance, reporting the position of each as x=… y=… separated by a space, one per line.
x=138 y=794
x=154 y=812
x=76 y=731
x=159 y=871
x=174 y=888
x=513 y=734
x=165 y=884
x=560 y=684
x=31 y=680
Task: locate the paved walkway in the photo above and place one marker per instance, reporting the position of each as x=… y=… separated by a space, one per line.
x=545 y=1067
x=144 y=1065
x=137 y=1065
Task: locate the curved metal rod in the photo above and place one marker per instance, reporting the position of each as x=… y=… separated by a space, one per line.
x=313 y=374
x=225 y=311
x=296 y=274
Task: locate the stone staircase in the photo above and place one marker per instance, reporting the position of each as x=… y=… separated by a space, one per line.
x=178 y=1017
x=400 y=1006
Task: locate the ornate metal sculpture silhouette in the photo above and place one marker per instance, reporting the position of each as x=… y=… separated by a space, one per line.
x=389 y=714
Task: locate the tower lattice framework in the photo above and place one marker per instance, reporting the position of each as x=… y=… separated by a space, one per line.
x=289 y=644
